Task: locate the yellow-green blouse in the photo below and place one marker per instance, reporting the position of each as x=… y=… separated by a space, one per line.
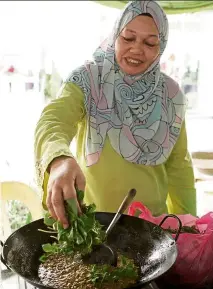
x=109 y=180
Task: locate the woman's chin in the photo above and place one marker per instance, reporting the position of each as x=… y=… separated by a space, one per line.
x=133 y=69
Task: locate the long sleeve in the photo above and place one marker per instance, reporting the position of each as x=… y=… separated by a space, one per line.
x=56 y=128
x=182 y=192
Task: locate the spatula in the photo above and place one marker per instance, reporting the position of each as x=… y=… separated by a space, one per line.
x=104 y=254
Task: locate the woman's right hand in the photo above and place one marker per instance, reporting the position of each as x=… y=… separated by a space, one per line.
x=65 y=177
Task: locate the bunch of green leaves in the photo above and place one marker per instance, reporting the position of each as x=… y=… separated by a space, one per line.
x=83 y=233
x=107 y=274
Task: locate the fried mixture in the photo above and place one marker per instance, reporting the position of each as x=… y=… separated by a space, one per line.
x=65 y=272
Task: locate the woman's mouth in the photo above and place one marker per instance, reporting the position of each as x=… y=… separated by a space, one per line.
x=133 y=62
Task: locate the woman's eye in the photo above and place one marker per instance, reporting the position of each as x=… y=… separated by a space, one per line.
x=128 y=39
x=150 y=45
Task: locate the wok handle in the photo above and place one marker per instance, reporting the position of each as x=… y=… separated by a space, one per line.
x=179 y=221
x=2 y=258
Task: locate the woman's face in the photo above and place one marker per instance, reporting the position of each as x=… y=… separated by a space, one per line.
x=138 y=45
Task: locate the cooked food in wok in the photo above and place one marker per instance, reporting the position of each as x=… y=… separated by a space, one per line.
x=66 y=272
x=62 y=264
x=153 y=250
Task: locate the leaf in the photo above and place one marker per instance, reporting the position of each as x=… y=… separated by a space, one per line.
x=79 y=238
x=105 y=273
x=43 y=258
x=82 y=232
x=62 y=233
x=123 y=260
x=89 y=241
x=88 y=222
x=91 y=209
x=71 y=234
x=73 y=206
x=55 y=226
x=48 y=220
x=80 y=195
x=47 y=248
x=81 y=222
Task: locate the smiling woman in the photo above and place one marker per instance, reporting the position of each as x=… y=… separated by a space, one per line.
x=128 y=120
x=137 y=49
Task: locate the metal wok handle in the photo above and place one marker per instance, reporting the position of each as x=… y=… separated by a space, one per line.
x=179 y=221
x=2 y=258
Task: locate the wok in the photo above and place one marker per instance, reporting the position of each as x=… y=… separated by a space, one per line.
x=152 y=248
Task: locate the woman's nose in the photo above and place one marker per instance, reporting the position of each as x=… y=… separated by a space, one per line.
x=137 y=48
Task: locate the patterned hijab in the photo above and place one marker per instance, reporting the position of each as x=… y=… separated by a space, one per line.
x=140 y=115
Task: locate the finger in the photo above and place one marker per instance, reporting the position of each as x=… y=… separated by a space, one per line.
x=80 y=182
x=58 y=206
x=70 y=193
x=49 y=205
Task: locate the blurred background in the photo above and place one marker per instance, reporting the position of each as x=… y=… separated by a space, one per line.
x=42 y=41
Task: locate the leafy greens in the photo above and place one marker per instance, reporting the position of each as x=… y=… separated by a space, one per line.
x=85 y=231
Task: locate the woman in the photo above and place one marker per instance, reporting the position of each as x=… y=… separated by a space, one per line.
x=128 y=119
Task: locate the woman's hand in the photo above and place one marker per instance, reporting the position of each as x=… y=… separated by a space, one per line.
x=65 y=177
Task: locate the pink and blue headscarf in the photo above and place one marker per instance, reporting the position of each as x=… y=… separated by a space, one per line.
x=140 y=115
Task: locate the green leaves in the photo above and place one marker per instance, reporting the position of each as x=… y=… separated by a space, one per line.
x=80 y=196
x=72 y=206
x=48 y=220
x=84 y=231
x=106 y=273
x=47 y=248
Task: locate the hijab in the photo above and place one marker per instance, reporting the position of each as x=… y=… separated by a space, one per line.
x=140 y=115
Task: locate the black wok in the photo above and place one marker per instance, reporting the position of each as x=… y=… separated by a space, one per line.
x=153 y=248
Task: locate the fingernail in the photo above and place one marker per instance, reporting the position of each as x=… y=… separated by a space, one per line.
x=65 y=226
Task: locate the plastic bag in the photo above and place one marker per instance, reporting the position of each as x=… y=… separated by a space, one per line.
x=194 y=264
